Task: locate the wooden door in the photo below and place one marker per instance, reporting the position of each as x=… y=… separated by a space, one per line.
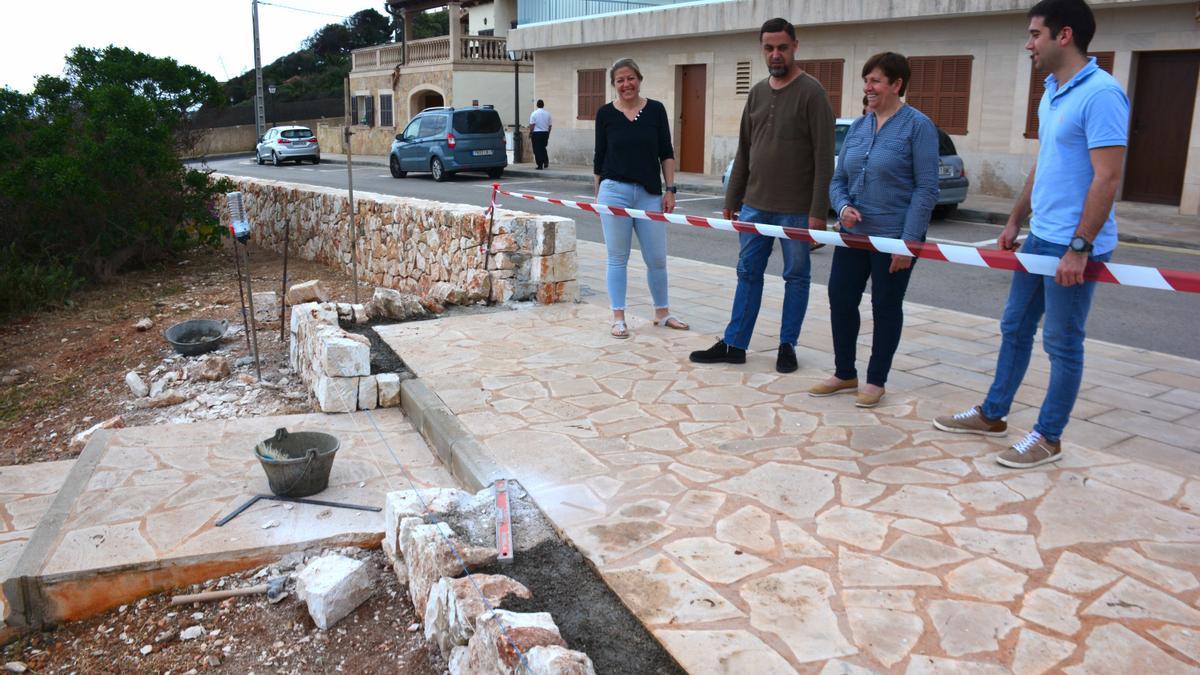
x=691 y=119
x=1162 y=120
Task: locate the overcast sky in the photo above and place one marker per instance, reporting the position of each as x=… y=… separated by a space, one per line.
x=213 y=35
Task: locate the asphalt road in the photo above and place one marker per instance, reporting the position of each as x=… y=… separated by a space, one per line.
x=1144 y=318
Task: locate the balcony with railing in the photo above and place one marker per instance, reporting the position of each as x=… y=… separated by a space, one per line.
x=471 y=50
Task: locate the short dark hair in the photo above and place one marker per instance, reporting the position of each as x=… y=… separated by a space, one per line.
x=1058 y=14
x=541 y=103
x=893 y=66
x=776 y=25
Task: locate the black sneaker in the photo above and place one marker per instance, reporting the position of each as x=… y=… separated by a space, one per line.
x=786 y=361
x=719 y=353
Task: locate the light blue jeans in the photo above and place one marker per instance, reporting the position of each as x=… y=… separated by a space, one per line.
x=618 y=238
x=1066 y=311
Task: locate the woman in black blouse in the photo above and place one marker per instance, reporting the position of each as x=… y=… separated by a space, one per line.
x=633 y=141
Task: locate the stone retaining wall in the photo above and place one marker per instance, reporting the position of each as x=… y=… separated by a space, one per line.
x=439 y=251
x=334 y=364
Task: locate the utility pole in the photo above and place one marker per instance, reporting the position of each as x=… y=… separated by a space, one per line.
x=260 y=118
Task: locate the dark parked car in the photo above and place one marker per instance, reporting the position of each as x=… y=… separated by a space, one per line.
x=952 y=176
x=444 y=141
x=288 y=143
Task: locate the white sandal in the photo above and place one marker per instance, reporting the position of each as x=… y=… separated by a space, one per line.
x=665 y=322
x=619 y=330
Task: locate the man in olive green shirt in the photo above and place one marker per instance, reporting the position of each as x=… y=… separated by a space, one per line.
x=780 y=176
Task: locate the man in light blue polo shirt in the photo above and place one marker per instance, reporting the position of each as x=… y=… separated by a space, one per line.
x=1083 y=121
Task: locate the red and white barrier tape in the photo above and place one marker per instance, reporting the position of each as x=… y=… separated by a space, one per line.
x=1113 y=273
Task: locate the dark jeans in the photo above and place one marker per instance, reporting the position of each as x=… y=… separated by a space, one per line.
x=539 y=140
x=847 y=281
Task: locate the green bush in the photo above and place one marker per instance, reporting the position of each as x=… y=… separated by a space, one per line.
x=29 y=285
x=90 y=177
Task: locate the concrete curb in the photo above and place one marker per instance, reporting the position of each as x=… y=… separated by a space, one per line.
x=456 y=447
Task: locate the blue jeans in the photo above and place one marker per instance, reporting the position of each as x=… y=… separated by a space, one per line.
x=618 y=238
x=752 y=263
x=847 y=280
x=1066 y=310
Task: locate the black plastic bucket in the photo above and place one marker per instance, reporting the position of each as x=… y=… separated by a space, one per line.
x=309 y=460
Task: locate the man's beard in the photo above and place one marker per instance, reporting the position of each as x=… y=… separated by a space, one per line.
x=777 y=71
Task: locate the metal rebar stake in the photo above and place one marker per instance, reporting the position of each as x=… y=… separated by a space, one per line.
x=287 y=230
x=353 y=216
x=253 y=332
x=237 y=263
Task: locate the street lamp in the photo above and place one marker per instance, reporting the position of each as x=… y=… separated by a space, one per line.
x=271 y=89
x=515 y=56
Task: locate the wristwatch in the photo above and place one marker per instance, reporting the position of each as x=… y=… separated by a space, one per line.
x=671 y=188
x=1080 y=245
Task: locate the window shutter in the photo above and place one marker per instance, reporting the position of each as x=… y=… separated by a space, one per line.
x=829 y=73
x=591 y=93
x=742 y=79
x=941 y=88
x=1037 y=87
x=353 y=110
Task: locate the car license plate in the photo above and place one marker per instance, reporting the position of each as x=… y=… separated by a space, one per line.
x=481 y=153
x=945 y=172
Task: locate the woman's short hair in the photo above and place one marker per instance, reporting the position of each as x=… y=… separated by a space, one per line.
x=623 y=63
x=893 y=66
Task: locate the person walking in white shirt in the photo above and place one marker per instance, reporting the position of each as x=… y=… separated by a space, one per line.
x=540 y=125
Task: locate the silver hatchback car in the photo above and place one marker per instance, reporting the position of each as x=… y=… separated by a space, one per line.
x=288 y=143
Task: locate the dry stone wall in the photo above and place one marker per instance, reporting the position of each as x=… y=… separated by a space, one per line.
x=443 y=252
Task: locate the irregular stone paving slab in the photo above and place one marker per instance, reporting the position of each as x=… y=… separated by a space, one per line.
x=797 y=491
x=1131 y=599
x=795 y=606
x=970 y=627
x=903 y=475
x=933 y=665
x=857 y=492
x=749 y=527
x=875 y=598
x=917 y=527
x=1011 y=523
x=797 y=543
x=714 y=561
x=861 y=529
x=985 y=495
x=1051 y=609
x=922 y=502
x=840 y=667
x=987 y=579
x=1178 y=554
x=697 y=508
x=887 y=634
x=1112 y=648
x=723 y=652
x=1037 y=653
x=659 y=592
x=1018 y=549
x=1187 y=641
x=1191 y=497
x=924 y=553
x=616 y=538
x=1176 y=581
x=1078 y=574
x=1112 y=516
x=954 y=467
x=856 y=569
x=1146 y=481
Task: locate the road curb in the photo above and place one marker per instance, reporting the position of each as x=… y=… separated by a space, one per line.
x=453 y=444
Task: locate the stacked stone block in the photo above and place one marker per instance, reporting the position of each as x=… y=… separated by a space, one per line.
x=336 y=364
x=445 y=253
x=460 y=614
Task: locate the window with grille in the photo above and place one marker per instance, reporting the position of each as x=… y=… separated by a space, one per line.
x=741 y=85
x=362 y=110
x=353 y=110
x=591 y=93
x=385 y=110
x=829 y=73
x=941 y=88
x=1037 y=87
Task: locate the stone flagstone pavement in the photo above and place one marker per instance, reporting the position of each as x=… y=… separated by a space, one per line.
x=755 y=529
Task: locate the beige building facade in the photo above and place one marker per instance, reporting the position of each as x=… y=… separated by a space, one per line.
x=390 y=83
x=975 y=77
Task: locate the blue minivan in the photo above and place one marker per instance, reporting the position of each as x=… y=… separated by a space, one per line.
x=444 y=141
